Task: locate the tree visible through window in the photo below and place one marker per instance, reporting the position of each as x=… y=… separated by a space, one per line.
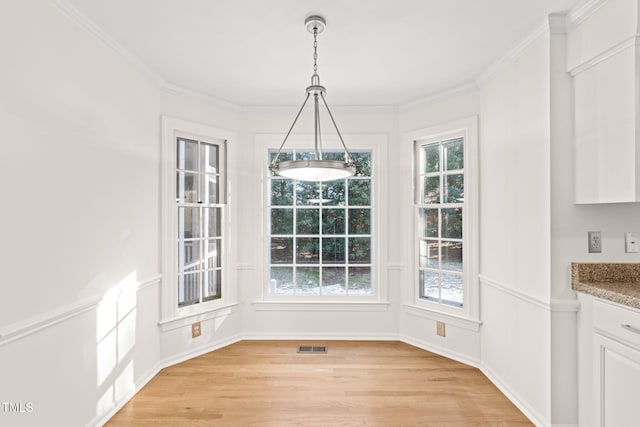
x=440 y=210
x=321 y=232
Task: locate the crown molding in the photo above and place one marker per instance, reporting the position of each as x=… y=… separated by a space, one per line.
x=513 y=54
x=179 y=90
x=582 y=12
x=466 y=87
x=88 y=25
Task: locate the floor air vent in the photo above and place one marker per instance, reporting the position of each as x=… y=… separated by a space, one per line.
x=312 y=349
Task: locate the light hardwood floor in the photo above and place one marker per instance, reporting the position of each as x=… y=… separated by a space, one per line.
x=358 y=383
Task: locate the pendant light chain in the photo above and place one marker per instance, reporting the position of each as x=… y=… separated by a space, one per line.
x=315 y=51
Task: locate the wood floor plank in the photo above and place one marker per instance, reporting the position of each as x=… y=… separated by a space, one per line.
x=357 y=383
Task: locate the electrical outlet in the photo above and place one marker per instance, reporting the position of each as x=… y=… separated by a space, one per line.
x=441 y=329
x=196 y=330
x=631 y=244
x=595 y=242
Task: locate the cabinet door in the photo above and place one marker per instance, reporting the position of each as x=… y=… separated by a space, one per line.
x=617 y=383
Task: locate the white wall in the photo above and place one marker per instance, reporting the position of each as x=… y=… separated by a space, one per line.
x=515 y=228
x=321 y=322
x=417 y=326
x=79 y=222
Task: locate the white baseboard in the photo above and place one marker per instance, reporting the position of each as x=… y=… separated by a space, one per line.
x=534 y=416
x=323 y=336
x=101 y=420
x=200 y=350
x=440 y=351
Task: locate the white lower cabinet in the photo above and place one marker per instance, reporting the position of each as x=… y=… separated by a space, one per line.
x=617 y=383
x=608 y=364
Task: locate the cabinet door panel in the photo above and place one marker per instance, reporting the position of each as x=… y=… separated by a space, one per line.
x=619 y=380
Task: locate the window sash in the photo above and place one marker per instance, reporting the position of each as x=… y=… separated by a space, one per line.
x=202 y=280
x=432 y=278
x=294 y=207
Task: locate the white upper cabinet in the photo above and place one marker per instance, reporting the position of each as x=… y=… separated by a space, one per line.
x=604 y=60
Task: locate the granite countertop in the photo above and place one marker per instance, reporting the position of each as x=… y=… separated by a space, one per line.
x=617 y=282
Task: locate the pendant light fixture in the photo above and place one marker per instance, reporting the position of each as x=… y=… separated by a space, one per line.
x=315 y=169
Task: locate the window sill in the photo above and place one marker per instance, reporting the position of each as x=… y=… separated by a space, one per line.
x=459 y=321
x=320 y=306
x=188 y=319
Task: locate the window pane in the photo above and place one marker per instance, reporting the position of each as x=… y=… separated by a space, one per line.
x=308 y=221
x=333 y=251
x=281 y=221
x=282 y=250
x=307 y=249
x=431 y=158
x=428 y=225
x=213 y=254
x=359 y=192
x=359 y=221
x=333 y=193
x=188 y=287
x=453 y=152
x=281 y=192
x=362 y=162
x=452 y=289
x=333 y=221
x=188 y=224
x=308 y=280
x=188 y=256
x=187 y=154
x=454 y=188
x=285 y=155
x=360 y=250
x=429 y=284
x=212 y=282
x=186 y=187
x=208 y=158
x=429 y=254
x=333 y=155
x=431 y=190
x=360 y=281
x=281 y=281
x=211 y=191
x=334 y=281
x=307 y=193
x=305 y=155
x=212 y=225
x=452 y=223
x=452 y=256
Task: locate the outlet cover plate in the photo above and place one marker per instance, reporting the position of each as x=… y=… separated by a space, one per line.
x=595 y=242
x=196 y=330
x=441 y=329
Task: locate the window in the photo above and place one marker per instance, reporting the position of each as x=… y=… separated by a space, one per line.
x=445 y=232
x=199 y=201
x=321 y=234
x=440 y=213
x=195 y=234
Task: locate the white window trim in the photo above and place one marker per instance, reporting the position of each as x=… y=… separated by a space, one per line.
x=377 y=144
x=171 y=315
x=467 y=127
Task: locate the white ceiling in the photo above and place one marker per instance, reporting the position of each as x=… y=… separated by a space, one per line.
x=373 y=52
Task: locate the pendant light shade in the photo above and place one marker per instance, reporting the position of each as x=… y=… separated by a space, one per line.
x=315 y=169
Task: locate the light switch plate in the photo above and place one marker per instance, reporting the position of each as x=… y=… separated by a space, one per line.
x=631 y=244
